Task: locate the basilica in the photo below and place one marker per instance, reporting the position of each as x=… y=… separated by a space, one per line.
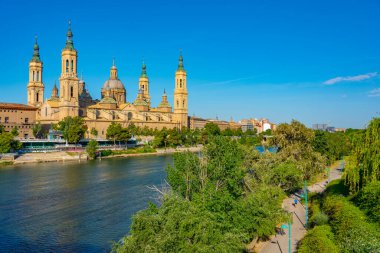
x=73 y=99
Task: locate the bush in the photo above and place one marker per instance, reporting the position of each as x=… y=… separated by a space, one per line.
x=319 y=240
x=368 y=199
x=91 y=148
x=319 y=219
x=336 y=187
x=106 y=152
x=352 y=232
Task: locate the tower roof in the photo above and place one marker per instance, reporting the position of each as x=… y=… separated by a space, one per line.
x=36 y=53
x=180 y=62
x=69 y=39
x=164 y=102
x=143 y=70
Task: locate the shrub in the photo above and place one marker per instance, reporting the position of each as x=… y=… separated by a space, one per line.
x=91 y=148
x=368 y=199
x=319 y=240
x=106 y=152
x=352 y=232
x=319 y=219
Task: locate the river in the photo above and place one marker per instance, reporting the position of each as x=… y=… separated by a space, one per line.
x=74 y=207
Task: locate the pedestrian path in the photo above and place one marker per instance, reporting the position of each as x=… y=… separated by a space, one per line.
x=279 y=243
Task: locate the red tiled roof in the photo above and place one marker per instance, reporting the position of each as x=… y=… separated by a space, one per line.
x=16 y=106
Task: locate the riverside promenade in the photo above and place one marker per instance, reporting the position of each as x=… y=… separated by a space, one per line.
x=279 y=243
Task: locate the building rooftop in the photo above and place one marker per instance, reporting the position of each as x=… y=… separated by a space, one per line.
x=16 y=106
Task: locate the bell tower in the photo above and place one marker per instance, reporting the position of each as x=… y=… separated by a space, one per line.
x=35 y=86
x=180 y=95
x=69 y=82
x=144 y=83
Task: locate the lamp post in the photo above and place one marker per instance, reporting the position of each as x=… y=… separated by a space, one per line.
x=305 y=195
x=289 y=227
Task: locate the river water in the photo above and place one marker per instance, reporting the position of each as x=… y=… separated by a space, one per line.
x=74 y=207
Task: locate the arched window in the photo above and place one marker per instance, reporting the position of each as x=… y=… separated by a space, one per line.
x=72 y=66
x=72 y=91
x=180 y=83
x=38 y=76
x=33 y=76
x=177 y=103
x=67 y=66
x=37 y=97
x=130 y=116
x=45 y=111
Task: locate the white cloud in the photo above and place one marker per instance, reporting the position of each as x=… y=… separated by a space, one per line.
x=357 y=78
x=374 y=93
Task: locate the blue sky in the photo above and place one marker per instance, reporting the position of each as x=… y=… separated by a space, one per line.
x=314 y=61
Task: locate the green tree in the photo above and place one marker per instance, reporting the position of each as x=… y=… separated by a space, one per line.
x=294 y=142
x=14 y=131
x=113 y=131
x=94 y=132
x=37 y=130
x=8 y=143
x=91 y=148
x=2 y=129
x=364 y=163
x=73 y=128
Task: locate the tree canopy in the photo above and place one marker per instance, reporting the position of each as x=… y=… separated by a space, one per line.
x=73 y=128
x=364 y=162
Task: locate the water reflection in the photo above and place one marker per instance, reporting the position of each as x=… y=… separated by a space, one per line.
x=74 y=207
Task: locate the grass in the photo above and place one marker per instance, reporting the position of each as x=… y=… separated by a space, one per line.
x=140 y=150
x=6 y=163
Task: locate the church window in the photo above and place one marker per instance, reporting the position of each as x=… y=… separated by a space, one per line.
x=26 y=120
x=183 y=103
x=33 y=76
x=130 y=116
x=72 y=66
x=177 y=103
x=37 y=97
x=45 y=111
x=38 y=76
x=180 y=83
x=72 y=91
x=67 y=66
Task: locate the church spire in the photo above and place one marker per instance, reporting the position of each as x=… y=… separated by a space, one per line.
x=180 y=62
x=69 y=39
x=36 y=53
x=113 y=70
x=143 y=70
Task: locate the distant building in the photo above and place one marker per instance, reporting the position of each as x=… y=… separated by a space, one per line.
x=261 y=125
x=199 y=123
x=17 y=115
x=322 y=127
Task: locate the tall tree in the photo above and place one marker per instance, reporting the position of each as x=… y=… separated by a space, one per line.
x=113 y=131
x=73 y=128
x=364 y=163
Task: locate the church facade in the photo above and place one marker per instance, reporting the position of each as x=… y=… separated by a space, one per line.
x=73 y=99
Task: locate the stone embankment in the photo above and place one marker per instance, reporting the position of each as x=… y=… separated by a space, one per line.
x=81 y=156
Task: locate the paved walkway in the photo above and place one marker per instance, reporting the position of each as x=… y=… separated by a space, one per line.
x=279 y=243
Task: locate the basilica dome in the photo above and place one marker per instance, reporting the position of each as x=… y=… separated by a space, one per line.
x=113 y=84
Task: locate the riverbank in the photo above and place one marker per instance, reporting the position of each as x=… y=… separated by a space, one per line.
x=82 y=156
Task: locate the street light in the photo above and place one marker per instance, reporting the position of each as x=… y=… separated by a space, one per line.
x=305 y=195
x=289 y=227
